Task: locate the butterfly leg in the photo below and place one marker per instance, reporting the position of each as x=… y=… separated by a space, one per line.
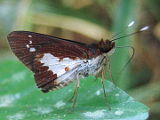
x=75 y=94
x=104 y=91
x=110 y=72
x=102 y=81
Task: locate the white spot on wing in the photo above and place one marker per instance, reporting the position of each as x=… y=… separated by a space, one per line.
x=32 y=49
x=95 y=115
x=60 y=104
x=27 y=46
x=119 y=112
x=30 y=36
x=30 y=42
x=58 y=66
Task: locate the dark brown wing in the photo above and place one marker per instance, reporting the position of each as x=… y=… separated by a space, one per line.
x=30 y=46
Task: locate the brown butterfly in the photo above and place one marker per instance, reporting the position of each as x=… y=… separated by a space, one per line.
x=56 y=61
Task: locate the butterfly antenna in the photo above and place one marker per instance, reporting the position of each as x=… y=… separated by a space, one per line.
x=133 y=50
x=128 y=26
x=141 y=30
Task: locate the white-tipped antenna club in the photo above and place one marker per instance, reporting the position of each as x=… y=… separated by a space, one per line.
x=144 y=28
x=131 y=24
x=141 y=30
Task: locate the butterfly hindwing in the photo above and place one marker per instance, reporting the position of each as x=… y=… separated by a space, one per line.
x=50 y=71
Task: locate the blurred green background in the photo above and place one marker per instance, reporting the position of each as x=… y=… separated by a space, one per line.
x=92 y=20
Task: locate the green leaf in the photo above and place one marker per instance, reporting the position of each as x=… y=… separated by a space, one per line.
x=20 y=99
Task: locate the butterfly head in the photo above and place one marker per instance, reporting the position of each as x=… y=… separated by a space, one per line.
x=106 y=46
